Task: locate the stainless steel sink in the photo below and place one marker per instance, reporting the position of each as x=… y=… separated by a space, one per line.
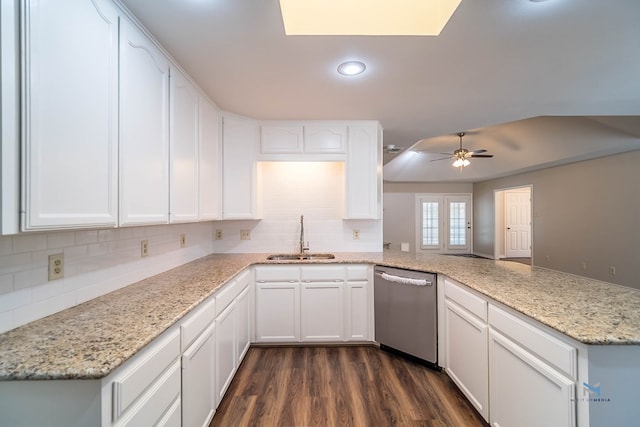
x=298 y=257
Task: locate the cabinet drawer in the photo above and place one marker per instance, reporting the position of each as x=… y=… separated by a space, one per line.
x=357 y=272
x=197 y=321
x=155 y=408
x=472 y=303
x=136 y=378
x=555 y=352
x=322 y=273
x=242 y=281
x=225 y=296
x=278 y=274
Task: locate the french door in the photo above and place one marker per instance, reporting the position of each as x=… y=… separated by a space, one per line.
x=444 y=223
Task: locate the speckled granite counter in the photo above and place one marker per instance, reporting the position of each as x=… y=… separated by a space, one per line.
x=92 y=339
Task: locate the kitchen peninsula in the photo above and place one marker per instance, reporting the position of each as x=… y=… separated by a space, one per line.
x=91 y=341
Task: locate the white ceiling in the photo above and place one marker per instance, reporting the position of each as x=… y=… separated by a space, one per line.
x=495 y=64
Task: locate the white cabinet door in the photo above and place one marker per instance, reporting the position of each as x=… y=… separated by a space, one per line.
x=144 y=130
x=70 y=114
x=277 y=312
x=526 y=392
x=281 y=139
x=325 y=139
x=242 y=325
x=322 y=311
x=357 y=310
x=183 y=152
x=239 y=147
x=225 y=349
x=198 y=380
x=363 y=173
x=210 y=179
x=467 y=355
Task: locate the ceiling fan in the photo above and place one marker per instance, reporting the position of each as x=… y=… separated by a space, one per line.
x=462 y=155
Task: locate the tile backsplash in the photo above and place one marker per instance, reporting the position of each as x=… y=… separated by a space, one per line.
x=95 y=262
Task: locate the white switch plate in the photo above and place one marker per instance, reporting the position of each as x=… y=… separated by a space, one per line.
x=56 y=266
x=245 y=234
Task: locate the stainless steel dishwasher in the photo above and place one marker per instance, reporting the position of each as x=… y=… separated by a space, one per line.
x=405 y=312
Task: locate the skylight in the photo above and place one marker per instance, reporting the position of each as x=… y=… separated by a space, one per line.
x=366 y=17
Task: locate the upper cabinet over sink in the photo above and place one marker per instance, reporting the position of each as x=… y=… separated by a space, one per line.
x=357 y=143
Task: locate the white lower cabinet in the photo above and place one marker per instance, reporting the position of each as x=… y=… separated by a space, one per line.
x=466 y=344
x=148 y=386
x=243 y=325
x=225 y=349
x=277 y=312
x=313 y=303
x=513 y=371
x=321 y=311
x=525 y=391
x=198 y=380
x=532 y=374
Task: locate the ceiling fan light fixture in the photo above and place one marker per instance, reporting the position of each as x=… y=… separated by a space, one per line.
x=460 y=163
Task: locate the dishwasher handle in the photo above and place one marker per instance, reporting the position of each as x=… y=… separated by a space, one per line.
x=404 y=280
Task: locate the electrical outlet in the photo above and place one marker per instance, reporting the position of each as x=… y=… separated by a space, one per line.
x=548 y=259
x=144 y=248
x=612 y=270
x=356 y=234
x=245 y=234
x=584 y=265
x=56 y=266
x=218 y=234
x=183 y=241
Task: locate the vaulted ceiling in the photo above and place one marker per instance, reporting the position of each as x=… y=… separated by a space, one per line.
x=536 y=83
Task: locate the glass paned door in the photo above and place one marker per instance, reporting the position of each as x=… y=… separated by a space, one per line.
x=430 y=224
x=445 y=223
x=459 y=223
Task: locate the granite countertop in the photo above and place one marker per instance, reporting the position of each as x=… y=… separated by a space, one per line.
x=90 y=340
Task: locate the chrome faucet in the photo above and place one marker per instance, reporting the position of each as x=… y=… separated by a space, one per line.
x=303 y=248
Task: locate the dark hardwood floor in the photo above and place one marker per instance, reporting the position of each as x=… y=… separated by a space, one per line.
x=340 y=386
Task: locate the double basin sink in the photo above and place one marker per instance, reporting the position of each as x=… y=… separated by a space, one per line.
x=300 y=257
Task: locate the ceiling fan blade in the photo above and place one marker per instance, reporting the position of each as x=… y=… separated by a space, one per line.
x=486 y=156
x=442 y=158
x=478 y=151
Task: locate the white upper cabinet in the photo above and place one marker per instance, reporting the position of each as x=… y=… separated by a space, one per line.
x=325 y=139
x=70 y=114
x=239 y=146
x=281 y=139
x=210 y=180
x=183 y=193
x=144 y=130
x=364 y=173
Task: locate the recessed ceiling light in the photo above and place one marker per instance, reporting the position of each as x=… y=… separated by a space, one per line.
x=366 y=17
x=351 y=68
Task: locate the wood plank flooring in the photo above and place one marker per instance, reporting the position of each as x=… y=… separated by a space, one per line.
x=340 y=386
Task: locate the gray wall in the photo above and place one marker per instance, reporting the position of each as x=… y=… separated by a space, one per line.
x=399 y=210
x=583 y=212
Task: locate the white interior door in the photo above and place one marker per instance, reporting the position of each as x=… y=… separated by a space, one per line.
x=518 y=223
